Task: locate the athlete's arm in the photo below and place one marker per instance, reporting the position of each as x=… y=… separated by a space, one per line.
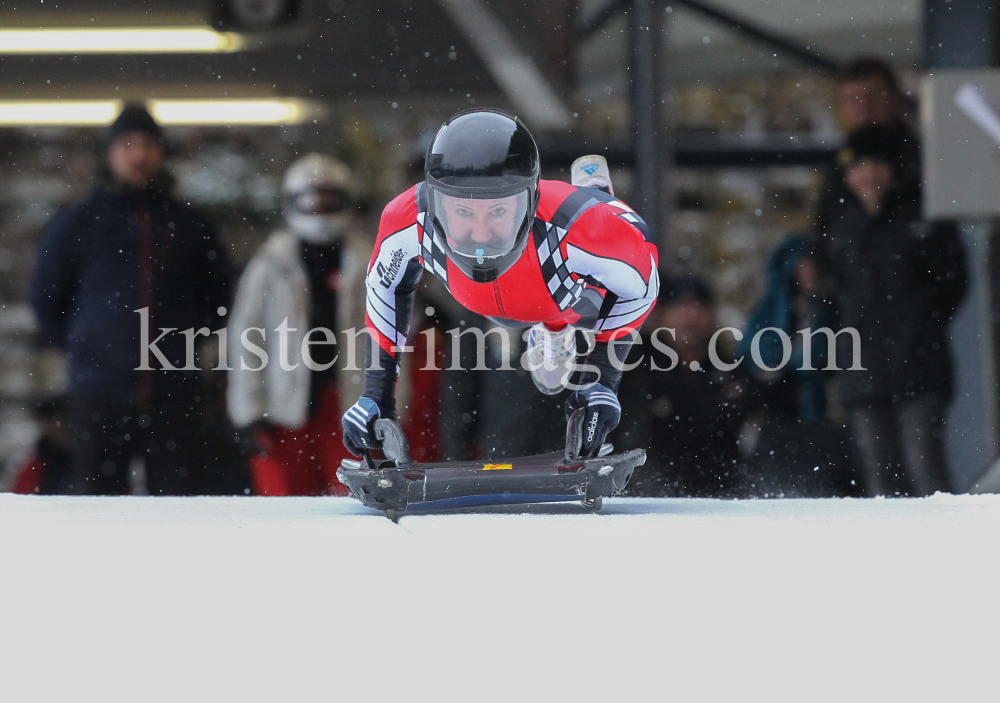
x=390 y=287
x=611 y=248
x=391 y=284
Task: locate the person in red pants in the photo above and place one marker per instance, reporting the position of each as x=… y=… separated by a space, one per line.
x=48 y=471
x=299 y=291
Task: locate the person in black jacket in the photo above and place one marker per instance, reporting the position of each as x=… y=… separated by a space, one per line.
x=897 y=281
x=114 y=272
x=684 y=409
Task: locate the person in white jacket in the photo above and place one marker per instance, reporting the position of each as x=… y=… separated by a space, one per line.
x=305 y=279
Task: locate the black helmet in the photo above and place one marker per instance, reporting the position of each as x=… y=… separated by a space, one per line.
x=482 y=190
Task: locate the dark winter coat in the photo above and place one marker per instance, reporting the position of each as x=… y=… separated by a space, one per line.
x=837 y=197
x=102 y=260
x=898 y=281
x=800 y=393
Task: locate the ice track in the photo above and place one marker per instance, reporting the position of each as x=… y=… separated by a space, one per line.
x=320 y=599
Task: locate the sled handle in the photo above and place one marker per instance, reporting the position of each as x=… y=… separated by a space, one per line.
x=574 y=435
x=394 y=443
x=395 y=446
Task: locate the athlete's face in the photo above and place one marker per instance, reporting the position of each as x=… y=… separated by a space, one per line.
x=481 y=224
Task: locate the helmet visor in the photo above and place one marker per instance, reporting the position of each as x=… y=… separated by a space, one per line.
x=480 y=228
x=320 y=201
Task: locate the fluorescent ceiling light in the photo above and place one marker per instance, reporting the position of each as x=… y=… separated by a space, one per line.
x=58 y=112
x=167 y=112
x=117 y=41
x=233 y=111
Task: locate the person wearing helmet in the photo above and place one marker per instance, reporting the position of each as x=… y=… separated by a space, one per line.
x=519 y=250
x=304 y=277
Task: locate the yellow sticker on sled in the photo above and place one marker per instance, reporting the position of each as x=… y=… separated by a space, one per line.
x=497 y=467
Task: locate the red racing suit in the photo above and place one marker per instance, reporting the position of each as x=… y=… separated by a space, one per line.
x=590 y=262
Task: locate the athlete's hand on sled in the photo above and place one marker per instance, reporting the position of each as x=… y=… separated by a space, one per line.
x=359 y=426
x=602 y=413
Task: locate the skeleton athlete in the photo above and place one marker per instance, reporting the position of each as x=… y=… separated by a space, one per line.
x=519 y=250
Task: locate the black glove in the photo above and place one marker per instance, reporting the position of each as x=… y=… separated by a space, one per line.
x=359 y=426
x=603 y=411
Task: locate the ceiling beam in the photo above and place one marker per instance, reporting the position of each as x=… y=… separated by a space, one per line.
x=524 y=84
x=740 y=25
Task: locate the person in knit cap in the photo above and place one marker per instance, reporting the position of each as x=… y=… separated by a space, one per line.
x=897 y=282
x=114 y=272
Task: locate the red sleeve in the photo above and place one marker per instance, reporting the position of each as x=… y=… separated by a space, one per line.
x=608 y=246
x=399 y=214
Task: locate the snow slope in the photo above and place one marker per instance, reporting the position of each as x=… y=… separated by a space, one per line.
x=309 y=599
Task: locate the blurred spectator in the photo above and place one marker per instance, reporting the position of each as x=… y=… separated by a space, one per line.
x=305 y=277
x=870 y=95
x=793 y=299
x=797 y=452
x=693 y=411
x=897 y=281
x=47 y=470
x=131 y=251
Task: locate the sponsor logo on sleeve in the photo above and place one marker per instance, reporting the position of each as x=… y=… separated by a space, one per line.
x=387 y=274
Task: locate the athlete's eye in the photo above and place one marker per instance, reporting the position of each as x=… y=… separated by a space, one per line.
x=498 y=212
x=463 y=212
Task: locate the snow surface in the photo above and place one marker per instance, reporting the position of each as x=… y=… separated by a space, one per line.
x=309 y=599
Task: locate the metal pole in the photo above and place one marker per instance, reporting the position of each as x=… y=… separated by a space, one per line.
x=963 y=35
x=645 y=35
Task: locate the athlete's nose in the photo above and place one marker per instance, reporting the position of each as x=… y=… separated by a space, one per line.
x=480 y=233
